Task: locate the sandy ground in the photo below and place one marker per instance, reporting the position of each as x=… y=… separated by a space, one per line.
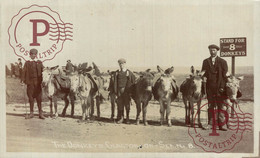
x=71 y=135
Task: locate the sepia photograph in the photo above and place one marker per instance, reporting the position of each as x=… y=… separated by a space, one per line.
x=131 y=78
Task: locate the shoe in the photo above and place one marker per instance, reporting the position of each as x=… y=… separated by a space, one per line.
x=208 y=127
x=127 y=121
x=222 y=129
x=41 y=116
x=31 y=115
x=120 y=121
x=112 y=118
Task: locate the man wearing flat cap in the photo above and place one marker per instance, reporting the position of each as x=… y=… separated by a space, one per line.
x=123 y=80
x=32 y=77
x=215 y=80
x=69 y=67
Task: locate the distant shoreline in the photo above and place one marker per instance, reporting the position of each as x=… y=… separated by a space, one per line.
x=184 y=70
x=177 y=69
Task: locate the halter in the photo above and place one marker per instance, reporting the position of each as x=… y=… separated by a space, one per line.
x=49 y=80
x=81 y=80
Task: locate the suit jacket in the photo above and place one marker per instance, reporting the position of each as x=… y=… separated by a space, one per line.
x=215 y=74
x=129 y=83
x=27 y=70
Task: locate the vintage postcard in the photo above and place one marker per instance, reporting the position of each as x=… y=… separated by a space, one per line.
x=130 y=78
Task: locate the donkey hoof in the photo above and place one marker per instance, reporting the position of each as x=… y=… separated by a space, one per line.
x=187 y=122
x=83 y=118
x=200 y=125
x=161 y=123
x=169 y=124
x=145 y=123
x=137 y=122
x=56 y=115
x=63 y=115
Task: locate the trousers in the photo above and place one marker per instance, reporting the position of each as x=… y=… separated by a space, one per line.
x=123 y=102
x=34 y=91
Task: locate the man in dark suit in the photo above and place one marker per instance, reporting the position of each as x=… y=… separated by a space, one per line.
x=20 y=65
x=123 y=80
x=32 y=77
x=215 y=77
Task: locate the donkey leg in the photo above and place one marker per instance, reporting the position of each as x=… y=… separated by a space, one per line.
x=51 y=111
x=98 y=106
x=92 y=107
x=192 y=114
x=83 y=106
x=144 y=107
x=168 y=113
x=127 y=108
x=72 y=102
x=65 y=107
x=55 y=106
x=186 y=111
x=189 y=112
x=198 y=111
x=138 y=110
x=162 y=110
x=112 y=107
x=89 y=102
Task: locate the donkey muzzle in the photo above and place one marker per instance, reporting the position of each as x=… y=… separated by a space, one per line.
x=149 y=88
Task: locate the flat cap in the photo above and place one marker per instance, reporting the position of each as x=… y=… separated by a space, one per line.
x=68 y=61
x=213 y=46
x=121 y=61
x=33 y=51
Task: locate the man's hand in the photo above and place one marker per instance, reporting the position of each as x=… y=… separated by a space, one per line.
x=22 y=83
x=204 y=79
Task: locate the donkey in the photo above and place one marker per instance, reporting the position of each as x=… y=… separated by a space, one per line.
x=191 y=90
x=53 y=89
x=142 y=93
x=232 y=91
x=232 y=87
x=165 y=90
x=84 y=87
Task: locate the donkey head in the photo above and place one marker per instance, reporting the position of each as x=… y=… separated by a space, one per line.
x=232 y=86
x=196 y=82
x=47 y=75
x=147 y=80
x=74 y=81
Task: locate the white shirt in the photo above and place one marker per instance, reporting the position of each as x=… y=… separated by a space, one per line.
x=213 y=59
x=31 y=59
x=124 y=69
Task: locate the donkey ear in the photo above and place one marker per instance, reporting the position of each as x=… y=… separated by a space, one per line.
x=202 y=73
x=45 y=68
x=54 y=67
x=192 y=70
x=240 y=78
x=159 y=69
x=228 y=74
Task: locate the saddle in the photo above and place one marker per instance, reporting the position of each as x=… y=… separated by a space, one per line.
x=63 y=81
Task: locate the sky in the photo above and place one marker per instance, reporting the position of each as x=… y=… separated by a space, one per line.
x=146 y=33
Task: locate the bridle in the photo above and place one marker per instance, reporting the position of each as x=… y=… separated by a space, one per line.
x=49 y=80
